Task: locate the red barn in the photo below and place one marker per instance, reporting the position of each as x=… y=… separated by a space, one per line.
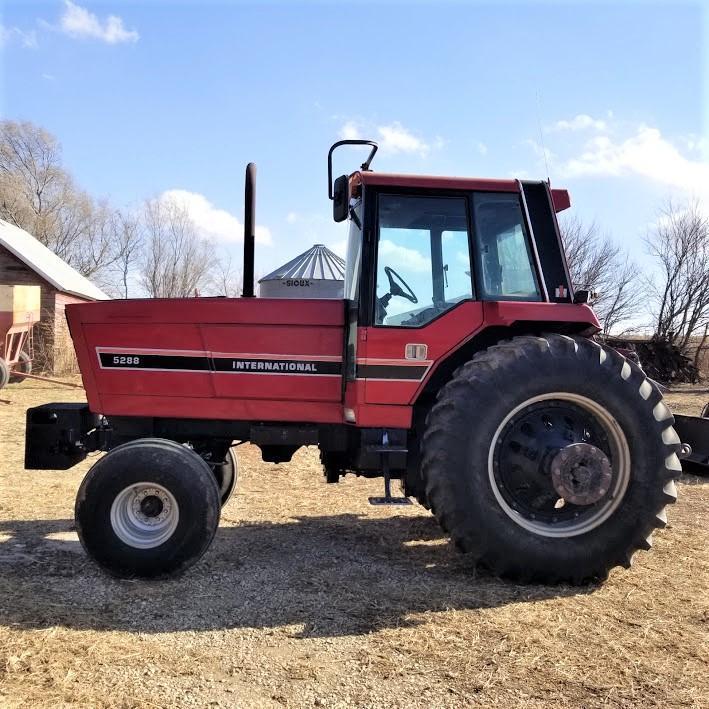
x=25 y=261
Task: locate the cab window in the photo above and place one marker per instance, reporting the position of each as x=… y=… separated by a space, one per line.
x=504 y=259
x=423 y=258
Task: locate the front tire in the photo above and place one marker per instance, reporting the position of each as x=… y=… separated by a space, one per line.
x=148 y=508
x=550 y=459
x=227 y=475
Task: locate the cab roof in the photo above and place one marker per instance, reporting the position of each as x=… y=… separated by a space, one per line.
x=560 y=198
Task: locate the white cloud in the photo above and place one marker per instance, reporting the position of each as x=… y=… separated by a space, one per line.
x=645 y=153
x=292 y=217
x=78 y=22
x=406 y=259
x=350 y=131
x=481 y=148
x=211 y=221
x=392 y=137
x=580 y=122
x=28 y=39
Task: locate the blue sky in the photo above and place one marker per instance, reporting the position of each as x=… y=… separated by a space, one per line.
x=155 y=97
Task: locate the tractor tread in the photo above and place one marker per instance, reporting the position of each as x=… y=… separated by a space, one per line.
x=454 y=484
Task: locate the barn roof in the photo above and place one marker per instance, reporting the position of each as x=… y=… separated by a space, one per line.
x=317 y=263
x=46 y=263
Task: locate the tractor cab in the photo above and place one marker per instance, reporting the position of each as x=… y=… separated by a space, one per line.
x=438 y=241
x=432 y=262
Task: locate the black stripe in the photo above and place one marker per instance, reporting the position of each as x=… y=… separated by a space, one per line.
x=136 y=360
x=276 y=366
x=390 y=371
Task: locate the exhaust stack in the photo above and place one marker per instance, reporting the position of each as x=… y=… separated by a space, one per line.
x=247 y=290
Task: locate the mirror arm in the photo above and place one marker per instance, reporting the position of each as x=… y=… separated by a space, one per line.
x=365 y=164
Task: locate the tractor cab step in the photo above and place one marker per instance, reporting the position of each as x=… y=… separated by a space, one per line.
x=388 y=499
x=385 y=450
x=377 y=501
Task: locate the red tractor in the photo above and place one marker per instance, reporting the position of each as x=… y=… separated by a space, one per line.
x=460 y=362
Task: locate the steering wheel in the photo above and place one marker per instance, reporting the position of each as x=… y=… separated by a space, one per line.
x=395 y=288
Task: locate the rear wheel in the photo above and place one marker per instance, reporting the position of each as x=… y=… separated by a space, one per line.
x=147 y=508
x=24 y=366
x=550 y=459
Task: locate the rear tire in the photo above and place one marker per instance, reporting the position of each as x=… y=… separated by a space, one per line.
x=492 y=483
x=24 y=364
x=148 y=508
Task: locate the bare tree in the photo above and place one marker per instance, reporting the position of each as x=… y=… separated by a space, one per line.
x=597 y=264
x=226 y=277
x=679 y=242
x=30 y=172
x=176 y=262
x=127 y=235
x=38 y=195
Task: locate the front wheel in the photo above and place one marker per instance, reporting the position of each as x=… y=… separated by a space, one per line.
x=550 y=459
x=148 y=508
x=227 y=474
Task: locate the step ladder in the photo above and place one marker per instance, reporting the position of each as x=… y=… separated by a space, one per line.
x=384 y=450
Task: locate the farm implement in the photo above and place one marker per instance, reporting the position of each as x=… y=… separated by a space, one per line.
x=19 y=312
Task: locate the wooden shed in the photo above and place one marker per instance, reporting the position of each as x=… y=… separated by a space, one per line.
x=25 y=261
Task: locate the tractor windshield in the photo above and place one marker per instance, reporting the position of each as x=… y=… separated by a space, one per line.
x=423 y=258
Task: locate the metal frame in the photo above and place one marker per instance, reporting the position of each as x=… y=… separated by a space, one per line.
x=365 y=165
x=19 y=338
x=562 y=250
x=532 y=238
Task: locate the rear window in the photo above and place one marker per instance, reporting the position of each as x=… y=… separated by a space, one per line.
x=503 y=254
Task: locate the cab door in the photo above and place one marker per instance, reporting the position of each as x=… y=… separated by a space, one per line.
x=424 y=302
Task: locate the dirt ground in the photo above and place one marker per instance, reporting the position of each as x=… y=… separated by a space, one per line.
x=310 y=597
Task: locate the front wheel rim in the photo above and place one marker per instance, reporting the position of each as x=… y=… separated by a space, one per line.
x=144 y=515
x=572 y=521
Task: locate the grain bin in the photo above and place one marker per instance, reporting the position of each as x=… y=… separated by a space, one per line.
x=316 y=273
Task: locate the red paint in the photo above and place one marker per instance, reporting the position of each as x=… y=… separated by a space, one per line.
x=442 y=336
x=312 y=328
x=560 y=198
x=434 y=182
x=258 y=328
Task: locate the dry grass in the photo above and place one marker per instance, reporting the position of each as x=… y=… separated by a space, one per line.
x=53 y=350
x=309 y=597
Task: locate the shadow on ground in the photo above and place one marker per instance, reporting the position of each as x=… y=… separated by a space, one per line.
x=329 y=575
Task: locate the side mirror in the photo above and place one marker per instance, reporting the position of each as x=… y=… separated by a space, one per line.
x=341 y=199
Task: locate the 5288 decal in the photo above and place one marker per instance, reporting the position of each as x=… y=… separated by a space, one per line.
x=123 y=359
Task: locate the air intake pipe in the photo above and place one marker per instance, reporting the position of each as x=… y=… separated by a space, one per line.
x=247 y=290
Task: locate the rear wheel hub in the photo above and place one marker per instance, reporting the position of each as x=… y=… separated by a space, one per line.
x=559 y=464
x=581 y=473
